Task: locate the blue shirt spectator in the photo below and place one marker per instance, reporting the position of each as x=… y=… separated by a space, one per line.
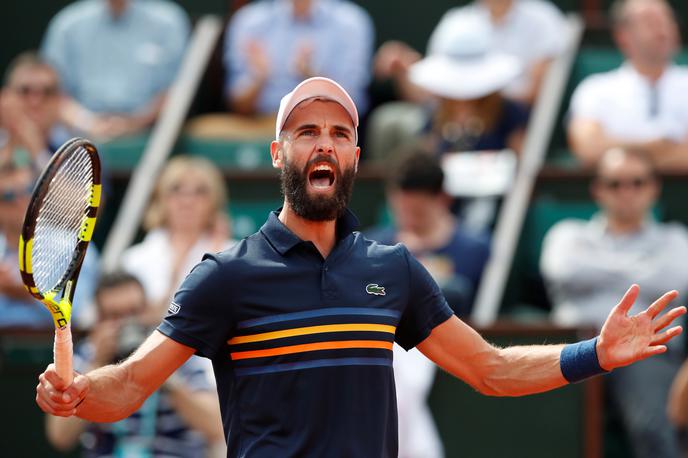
x=114 y=60
x=270 y=47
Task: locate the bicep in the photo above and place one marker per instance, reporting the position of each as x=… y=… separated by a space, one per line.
x=461 y=351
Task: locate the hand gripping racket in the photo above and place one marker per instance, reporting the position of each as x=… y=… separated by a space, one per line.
x=58 y=225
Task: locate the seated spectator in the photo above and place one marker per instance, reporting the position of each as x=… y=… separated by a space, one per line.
x=17 y=307
x=29 y=111
x=185 y=219
x=643 y=103
x=466 y=79
x=424 y=223
x=585 y=263
x=455 y=259
x=116 y=59
x=530 y=30
x=272 y=45
x=180 y=420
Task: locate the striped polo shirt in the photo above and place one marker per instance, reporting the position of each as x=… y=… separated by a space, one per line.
x=302 y=346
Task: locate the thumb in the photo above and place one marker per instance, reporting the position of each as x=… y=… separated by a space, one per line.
x=78 y=389
x=627 y=301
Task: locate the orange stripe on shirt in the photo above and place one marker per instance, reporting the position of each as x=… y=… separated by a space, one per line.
x=311 y=347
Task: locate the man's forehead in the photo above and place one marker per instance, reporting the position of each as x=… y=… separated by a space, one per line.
x=314 y=111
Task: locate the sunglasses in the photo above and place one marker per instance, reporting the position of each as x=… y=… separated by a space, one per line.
x=25 y=90
x=11 y=195
x=636 y=183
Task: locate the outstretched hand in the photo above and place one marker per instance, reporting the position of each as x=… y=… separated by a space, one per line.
x=626 y=339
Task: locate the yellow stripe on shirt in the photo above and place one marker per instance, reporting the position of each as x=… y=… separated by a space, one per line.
x=312 y=330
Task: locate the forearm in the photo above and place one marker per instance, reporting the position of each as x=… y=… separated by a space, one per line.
x=245 y=102
x=200 y=410
x=63 y=433
x=113 y=394
x=521 y=370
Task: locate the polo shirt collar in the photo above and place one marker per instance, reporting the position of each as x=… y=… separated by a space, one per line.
x=628 y=69
x=284 y=240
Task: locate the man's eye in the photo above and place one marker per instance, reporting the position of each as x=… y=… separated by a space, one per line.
x=341 y=134
x=308 y=132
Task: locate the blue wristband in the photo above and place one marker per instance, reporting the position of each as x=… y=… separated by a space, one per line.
x=579 y=361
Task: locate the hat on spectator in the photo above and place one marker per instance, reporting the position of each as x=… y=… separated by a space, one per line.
x=315 y=88
x=463 y=65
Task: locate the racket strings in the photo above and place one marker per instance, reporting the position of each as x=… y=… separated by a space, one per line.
x=60 y=220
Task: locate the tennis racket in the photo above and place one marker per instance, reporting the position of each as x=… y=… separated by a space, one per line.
x=58 y=225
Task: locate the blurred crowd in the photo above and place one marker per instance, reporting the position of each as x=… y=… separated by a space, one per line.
x=105 y=67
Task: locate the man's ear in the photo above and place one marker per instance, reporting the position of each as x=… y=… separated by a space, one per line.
x=358 y=156
x=277 y=154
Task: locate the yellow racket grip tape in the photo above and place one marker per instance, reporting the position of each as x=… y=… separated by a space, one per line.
x=96 y=190
x=62 y=354
x=61 y=311
x=87 y=226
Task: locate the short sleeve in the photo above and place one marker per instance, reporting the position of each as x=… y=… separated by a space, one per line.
x=199 y=315
x=426 y=307
x=586 y=101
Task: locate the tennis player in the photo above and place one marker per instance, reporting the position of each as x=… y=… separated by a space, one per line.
x=299 y=318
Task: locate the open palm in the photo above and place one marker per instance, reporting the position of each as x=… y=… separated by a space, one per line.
x=626 y=339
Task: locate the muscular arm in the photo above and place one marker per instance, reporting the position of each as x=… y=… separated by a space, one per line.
x=199 y=409
x=513 y=371
x=589 y=141
x=521 y=370
x=116 y=391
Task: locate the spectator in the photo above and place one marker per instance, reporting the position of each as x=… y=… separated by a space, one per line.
x=530 y=30
x=116 y=60
x=17 y=307
x=455 y=259
x=29 y=110
x=643 y=103
x=185 y=219
x=424 y=223
x=466 y=78
x=586 y=263
x=179 y=420
x=272 y=45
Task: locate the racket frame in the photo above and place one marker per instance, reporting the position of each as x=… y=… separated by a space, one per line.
x=60 y=309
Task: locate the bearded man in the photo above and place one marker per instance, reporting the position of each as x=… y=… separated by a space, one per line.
x=299 y=319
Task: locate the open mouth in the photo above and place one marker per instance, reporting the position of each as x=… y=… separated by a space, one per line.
x=321 y=176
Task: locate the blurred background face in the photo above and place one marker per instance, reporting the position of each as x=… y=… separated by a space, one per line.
x=15 y=193
x=189 y=203
x=625 y=188
x=650 y=33
x=416 y=211
x=121 y=302
x=37 y=90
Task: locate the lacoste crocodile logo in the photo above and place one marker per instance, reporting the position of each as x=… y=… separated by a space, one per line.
x=374 y=288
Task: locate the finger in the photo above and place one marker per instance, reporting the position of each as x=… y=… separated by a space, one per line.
x=627 y=301
x=55 y=380
x=666 y=336
x=45 y=407
x=659 y=305
x=52 y=406
x=47 y=389
x=666 y=319
x=652 y=351
x=77 y=390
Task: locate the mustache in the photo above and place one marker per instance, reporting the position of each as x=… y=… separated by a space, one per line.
x=323 y=158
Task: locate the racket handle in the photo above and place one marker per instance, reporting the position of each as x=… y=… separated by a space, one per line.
x=62 y=353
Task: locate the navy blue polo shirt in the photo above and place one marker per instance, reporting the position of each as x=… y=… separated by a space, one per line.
x=302 y=346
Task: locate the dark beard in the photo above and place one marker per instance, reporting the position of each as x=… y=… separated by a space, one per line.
x=316 y=208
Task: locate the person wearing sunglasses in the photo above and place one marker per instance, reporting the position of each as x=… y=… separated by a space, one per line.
x=585 y=263
x=29 y=111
